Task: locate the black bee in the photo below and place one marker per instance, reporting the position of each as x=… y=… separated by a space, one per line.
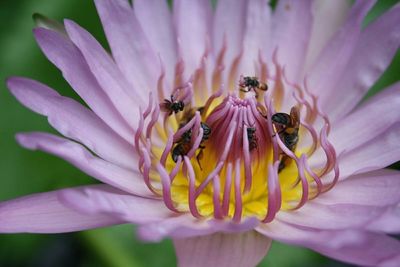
x=287 y=126
x=252 y=83
x=206 y=135
x=252 y=137
x=172 y=106
x=182 y=146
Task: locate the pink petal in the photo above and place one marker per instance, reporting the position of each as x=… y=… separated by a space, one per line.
x=374 y=52
x=388 y=222
x=63 y=53
x=192 y=22
x=378 y=188
x=392 y=262
x=307 y=236
x=376 y=154
x=44 y=213
x=295 y=235
x=127 y=180
x=155 y=20
x=333 y=60
x=182 y=226
x=345 y=137
x=185 y=226
x=104 y=199
x=124 y=97
x=228 y=28
x=220 y=249
x=331 y=216
x=292 y=24
x=257 y=35
x=73 y=120
x=374 y=250
x=353 y=246
x=130 y=48
x=329 y=16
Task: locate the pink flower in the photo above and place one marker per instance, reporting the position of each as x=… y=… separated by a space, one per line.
x=190 y=144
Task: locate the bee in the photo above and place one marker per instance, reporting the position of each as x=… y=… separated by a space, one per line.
x=287 y=126
x=183 y=145
x=206 y=131
x=172 y=106
x=252 y=83
x=252 y=137
x=206 y=135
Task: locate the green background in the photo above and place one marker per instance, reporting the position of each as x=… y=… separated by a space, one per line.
x=24 y=172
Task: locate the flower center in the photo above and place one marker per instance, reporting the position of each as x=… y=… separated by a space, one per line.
x=228 y=173
x=232 y=155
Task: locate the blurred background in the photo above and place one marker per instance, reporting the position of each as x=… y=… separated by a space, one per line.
x=25 y=172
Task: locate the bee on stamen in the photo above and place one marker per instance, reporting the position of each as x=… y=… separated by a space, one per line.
x=183 y=145
x=252 y=137
x=287 y=126
x=247 y=84
x=172 y=106
x=206 y=135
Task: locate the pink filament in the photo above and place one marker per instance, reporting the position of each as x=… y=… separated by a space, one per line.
x=188 y=126
x=175 y=170
x=300 y=163
x=211 y=99
x=227 y=189
x=196 y=144
x=168 y=148
x=154 y=119
x=166 y=187
x=216 y=201
x=192 y=189
x=238 y=193
x=271 y=112
x=274 y=193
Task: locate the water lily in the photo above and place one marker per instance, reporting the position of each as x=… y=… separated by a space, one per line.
x=224 y=129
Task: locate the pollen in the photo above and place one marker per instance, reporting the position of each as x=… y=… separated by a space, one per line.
x=235 y=153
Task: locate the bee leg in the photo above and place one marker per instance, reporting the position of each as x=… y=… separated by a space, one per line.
x=263 y=88
x=285 y=161
x=200 y=157
x=245 y=90
x=201 y=110
x=281 y=166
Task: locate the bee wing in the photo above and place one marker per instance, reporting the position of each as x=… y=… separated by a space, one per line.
x=263 y=86
x=295 y=117
x=165 y=106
